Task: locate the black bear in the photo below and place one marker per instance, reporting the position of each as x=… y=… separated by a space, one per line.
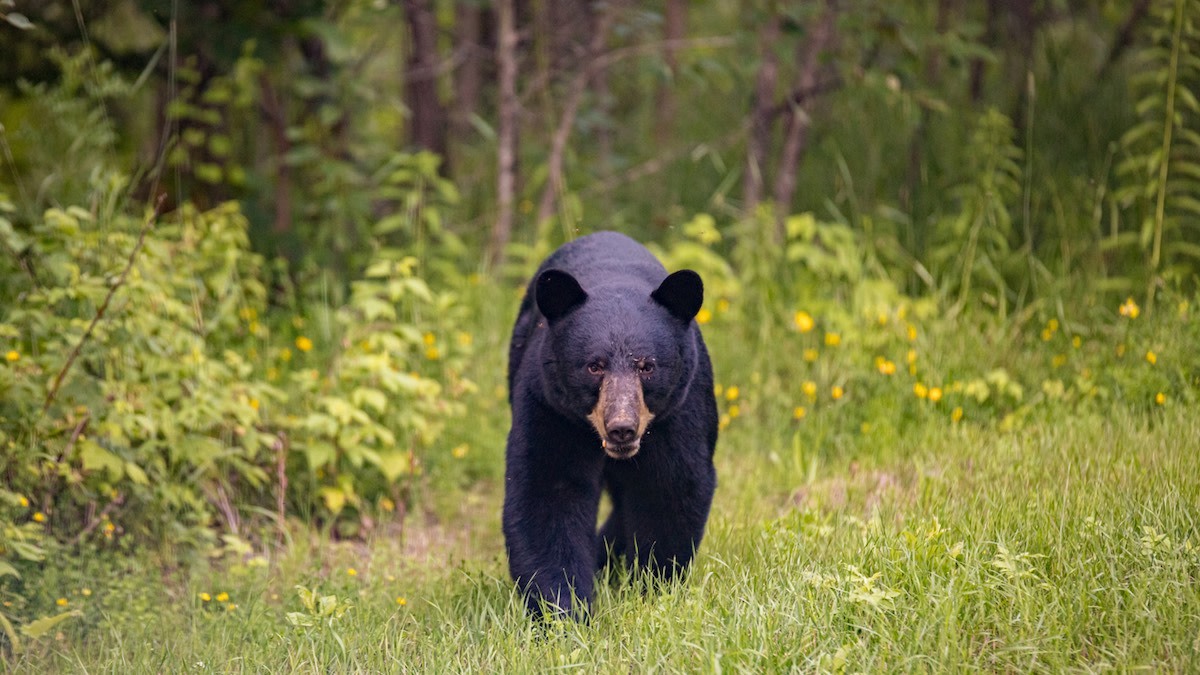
x=611 y=388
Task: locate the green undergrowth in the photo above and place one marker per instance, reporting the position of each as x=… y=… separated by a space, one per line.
x=1069 y=545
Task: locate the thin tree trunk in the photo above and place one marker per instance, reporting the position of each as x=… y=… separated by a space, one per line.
x=760 y=115
x=427 y=128
x=990 y=38
x=799 y=121
x=468 y=79
x=277 y=122
x=558 y=146
x=1125 y=35
x=506 y=181
x=674 y=30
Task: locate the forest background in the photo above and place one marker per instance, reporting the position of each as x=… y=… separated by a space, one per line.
x=258 y=260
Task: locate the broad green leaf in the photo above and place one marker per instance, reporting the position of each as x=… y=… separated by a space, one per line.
x=39 y=628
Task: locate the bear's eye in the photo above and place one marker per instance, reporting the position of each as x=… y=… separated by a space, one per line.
x=645 y=367
x=595 y=368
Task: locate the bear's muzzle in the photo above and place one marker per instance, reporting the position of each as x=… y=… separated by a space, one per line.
x=621 y=416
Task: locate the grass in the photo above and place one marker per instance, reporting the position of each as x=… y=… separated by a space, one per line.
x=1066 y=546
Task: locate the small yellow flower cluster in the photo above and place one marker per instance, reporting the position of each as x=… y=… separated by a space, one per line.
x=431 y=350
x=222 y=598
x=303 y=344
x=12 y=355
x=804 y=321
x=1129 y=309
x=1050 y=329
x=884 y=366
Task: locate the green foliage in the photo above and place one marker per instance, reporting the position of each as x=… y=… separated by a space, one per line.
x=1159 y=171
x=975 y=245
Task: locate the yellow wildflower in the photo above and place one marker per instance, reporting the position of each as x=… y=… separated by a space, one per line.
x=61 y=602
x=303 y=344
x=882 y=319
x=432 y=353
x=731 y=394
x=799 y=412
x=722 y=305
x=254 y=403
x=230 y=607
x=920 y=390
x=23 y=501
x=734 y=411
x=911 y=357
x=935 y=394
x=387 y=504
x=837 y=392
x=12 y=355
x=1160 y=398
x=810 y=354
x=1052 y=325
x=460 y=451
x=1059 y=360
x=1047 y=334
x=912 y=333
x=401 y=601
x=285 y=355
x=1130 y=309
x=429 y=339
x=222 y=597
x=804 y=321
x=832 y=339
x=957 y=414
x=809 y=388
x=703 y=316
x=1151 y=357
x=39 y=517
x=718 y=390
x=885 y=366
x=1076 y=342
x=87 y=592
x=464 y=338
x=723 y=422
x=205 y=597
x=350 y=571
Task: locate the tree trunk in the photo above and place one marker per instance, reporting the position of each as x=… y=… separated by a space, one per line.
x=799 y=121
x=506 y=152
x=276 y=119
x=760 y=115
x=674 y=30
x=427 y=127
x=468 y=76
x=558 y=146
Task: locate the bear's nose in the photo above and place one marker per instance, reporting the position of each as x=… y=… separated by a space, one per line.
x=622 y=433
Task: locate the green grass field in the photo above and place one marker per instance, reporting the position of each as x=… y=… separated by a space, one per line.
x=1070 y=545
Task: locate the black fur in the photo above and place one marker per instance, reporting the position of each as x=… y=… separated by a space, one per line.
x=605 y=299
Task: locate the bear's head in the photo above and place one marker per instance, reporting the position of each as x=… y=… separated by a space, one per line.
x=618 y=356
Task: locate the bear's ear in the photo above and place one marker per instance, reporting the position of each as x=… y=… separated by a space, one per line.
x=558 y=293
x=682 y=293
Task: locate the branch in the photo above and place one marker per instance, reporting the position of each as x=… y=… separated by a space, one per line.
x=58 y=379
x=558 y=146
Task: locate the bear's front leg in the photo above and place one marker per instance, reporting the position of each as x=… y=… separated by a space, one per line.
x=551 y=498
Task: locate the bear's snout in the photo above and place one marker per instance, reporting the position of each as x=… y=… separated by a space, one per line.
x=620 y=416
